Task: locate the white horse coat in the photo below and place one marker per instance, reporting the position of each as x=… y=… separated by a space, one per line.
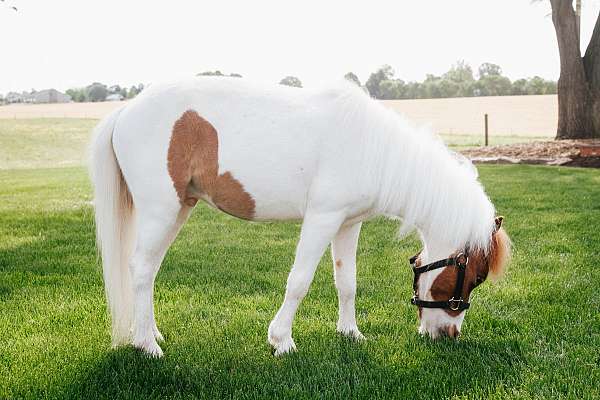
x=332 y=158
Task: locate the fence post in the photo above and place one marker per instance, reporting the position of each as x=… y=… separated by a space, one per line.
x=486 y=129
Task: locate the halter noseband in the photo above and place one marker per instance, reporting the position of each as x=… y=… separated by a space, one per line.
x=456 y=302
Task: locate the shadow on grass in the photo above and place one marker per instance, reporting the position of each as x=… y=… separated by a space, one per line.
x=341 y=369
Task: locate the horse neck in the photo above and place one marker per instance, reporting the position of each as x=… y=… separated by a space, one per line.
x=422 y=183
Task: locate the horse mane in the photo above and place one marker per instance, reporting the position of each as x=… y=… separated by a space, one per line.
x=499 y=254
x=418 y=178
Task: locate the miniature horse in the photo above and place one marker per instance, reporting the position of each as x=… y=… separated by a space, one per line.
x=332 y=158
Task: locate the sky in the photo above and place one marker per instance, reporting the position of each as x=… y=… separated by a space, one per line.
x=72 y=43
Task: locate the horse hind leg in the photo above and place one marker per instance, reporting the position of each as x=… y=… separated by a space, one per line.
x=156 y=230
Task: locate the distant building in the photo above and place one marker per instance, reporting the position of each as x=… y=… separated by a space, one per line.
x=50 y=96
x=43 y=96
x=114 y=97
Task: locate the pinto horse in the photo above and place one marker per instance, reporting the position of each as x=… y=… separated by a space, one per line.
x=331 y=158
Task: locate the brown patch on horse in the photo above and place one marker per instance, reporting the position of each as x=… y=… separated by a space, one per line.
x=480 y=265
x=194 y=166
x=444 y=284
x=338 y=263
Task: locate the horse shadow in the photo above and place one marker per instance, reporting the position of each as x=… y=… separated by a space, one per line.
x=329 y=368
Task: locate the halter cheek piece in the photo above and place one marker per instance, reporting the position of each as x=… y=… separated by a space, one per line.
x=456 y=302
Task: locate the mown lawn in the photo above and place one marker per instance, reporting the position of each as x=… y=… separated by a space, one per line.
x=535 y=334
x=44 y=142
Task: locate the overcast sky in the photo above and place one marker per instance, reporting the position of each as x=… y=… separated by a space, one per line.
x=70 y=43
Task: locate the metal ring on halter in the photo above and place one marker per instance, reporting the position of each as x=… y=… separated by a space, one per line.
x=454 y=304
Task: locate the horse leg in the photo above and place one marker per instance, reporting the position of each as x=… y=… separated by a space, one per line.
x=317 y=231
x=156 y=230
x=343 y=252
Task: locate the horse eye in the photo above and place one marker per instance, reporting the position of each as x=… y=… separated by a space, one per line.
x=479 y=280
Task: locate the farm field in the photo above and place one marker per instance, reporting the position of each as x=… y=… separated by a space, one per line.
x=534 y=334
x=520 y=116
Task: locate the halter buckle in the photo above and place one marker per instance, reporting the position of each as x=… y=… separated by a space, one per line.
x=454 y=304
x=462 y=259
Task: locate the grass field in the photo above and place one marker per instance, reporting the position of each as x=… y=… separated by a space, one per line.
x=535 y=334
x=41 y=143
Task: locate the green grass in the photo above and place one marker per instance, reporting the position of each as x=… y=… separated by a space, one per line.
x=40 y=143
x=535 y=334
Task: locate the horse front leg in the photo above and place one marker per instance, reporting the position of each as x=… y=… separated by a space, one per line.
x=317 y=231
x=343 y=253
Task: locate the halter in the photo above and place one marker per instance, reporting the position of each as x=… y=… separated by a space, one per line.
x=456 y=303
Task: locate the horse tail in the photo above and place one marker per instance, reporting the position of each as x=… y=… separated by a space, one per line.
x=115 y=234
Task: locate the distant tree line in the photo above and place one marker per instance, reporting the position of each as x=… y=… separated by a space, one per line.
x=459 y=81
x=99 y=92
x=218 y=73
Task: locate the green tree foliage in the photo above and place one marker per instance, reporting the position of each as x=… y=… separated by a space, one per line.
x=218 y=73
x=135 y=90
x=78 y=94
x=291 y=81
x=210 y=73
x=382 y=74
x=97 y=92
x=487 y=69
x=459 y=81
x=351 y=76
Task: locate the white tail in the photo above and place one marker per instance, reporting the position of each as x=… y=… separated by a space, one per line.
x=115 y=232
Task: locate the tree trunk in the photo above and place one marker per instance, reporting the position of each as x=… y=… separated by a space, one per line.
x=578 y=94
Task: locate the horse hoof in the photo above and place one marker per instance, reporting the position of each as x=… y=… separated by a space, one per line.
x=352 y=333
x=283 y=347
x=157 y=335
x=150 y=348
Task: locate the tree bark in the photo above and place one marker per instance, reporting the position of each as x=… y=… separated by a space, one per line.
x=578 y=94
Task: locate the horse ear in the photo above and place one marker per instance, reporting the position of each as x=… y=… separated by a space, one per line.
x=499 y=220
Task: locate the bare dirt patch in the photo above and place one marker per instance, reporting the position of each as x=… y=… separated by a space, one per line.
x=572 y=153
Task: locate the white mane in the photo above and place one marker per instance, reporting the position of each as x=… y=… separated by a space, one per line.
x=440 y=194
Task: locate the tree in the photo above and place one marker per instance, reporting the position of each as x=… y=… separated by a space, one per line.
x=210 y=73
x=460 y=72
x=97 y=92
x=489 y=69
x=351 y=76
x=519 y=87
x=291 y=81
x=114 y=89
x=133 y=91
x=493 y=85
x=579 y=81
x=382 y=74
x=458 y=81
x=390 y=89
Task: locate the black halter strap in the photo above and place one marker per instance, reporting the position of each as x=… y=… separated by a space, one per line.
x=456 y=302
